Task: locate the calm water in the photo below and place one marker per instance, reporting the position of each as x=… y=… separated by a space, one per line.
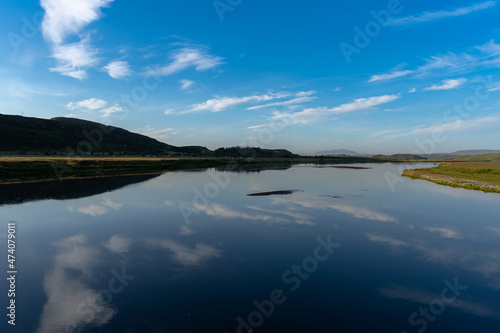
x=191 y=252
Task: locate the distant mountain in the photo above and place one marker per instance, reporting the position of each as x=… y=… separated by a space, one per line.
x=338 y=152
x=70 y=136
x=475 y=152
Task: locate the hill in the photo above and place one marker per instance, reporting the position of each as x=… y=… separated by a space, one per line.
x=399 y=157
x=477 y=158
x=69 y=136
x=76 y=137
x=475 y=152
x=337 y=152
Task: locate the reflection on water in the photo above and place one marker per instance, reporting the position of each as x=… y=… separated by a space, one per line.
x=168 y=255
x=65 y=189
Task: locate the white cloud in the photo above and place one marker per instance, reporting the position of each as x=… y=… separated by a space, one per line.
x=118 y=69
x=94 y=209
x=118 y=244
x=493 y=89
x=65 y=295
x=73 y=59
x=158 y=134
x=435 y=15
x=222 y=103
x=66 y=17
x=186 y=83
x=447 y=84
x=444 y=232
x=387 y=240
x=112 y=109
x=412 y=90
x=89 y=104
x=187 y=57
x=184 y=255
x=389 y=76
x=315 y=114
x=458 y=125
x=482 y=56
x=294 y=101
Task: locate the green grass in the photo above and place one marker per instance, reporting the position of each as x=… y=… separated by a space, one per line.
x=482 y=176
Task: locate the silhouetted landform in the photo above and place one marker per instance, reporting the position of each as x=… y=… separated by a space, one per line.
x=251 y=152
x=476 y=158
x=237 y=167
x=399 y=157
x=263 y=194
x=22 y=136
x=338 y=152
x=342 y=167
x=475 y=152
x=68 y=189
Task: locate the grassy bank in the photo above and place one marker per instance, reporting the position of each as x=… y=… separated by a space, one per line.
x=22 y=169
x=481 y=176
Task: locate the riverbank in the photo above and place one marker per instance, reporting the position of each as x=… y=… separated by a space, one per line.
x=30 y=169
x=480 y=176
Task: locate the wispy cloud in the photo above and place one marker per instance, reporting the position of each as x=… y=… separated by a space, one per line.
x=189 y=57
x=387 y=240
x=302 y=97
x=482 y=56
x=444 y=232
x=440 y=14
x=107 y=112
x=73 y=59
x=389 y=76
x=459 y=125
x=186 y=83
x=315 y=114
x=447 y=84
x=223 y=103
x=89 y=104
x=155 y=133
x=118 y=69
x=185 y=255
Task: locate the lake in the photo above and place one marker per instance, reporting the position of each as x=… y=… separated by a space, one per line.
x=340 y=250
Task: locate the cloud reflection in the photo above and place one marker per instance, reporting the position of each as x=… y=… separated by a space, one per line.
x=72 y=305
x=184 y=255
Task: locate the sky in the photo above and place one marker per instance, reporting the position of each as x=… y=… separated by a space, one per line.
x=369 y=76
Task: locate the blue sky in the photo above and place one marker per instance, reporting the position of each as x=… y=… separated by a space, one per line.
x=370 y=76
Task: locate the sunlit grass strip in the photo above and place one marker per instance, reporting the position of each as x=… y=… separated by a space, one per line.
x=481 y=176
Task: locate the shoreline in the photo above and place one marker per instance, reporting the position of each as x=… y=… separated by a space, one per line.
x=478 y=176
x=37 y=169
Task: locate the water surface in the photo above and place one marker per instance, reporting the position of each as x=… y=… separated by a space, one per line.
x=192 y=252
